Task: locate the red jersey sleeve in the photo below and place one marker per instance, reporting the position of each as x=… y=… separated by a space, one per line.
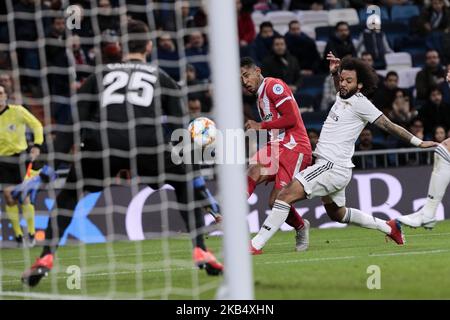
x=287 y=117
x=280 y=96
x=278 y=92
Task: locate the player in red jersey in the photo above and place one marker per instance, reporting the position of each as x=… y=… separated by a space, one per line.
x=287 y=152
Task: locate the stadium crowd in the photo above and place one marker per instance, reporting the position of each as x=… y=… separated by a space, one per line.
x=408 y=44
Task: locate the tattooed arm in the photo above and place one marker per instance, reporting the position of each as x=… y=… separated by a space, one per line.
x=387 y=125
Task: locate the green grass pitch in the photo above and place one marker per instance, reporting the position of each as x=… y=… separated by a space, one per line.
x=334 y=267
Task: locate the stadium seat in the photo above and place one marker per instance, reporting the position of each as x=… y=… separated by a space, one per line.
x=321 y=47
x=281 y=17
x=258 y=17
x=309 y=31
x=403 y=13
x=418 y=59
x=394 y=31
x=324 y=33
x=406 y=77
x=363 y=14
x=314 y=120
x=313 y=18
x=355 y=31
x=398 y=60
x=348 y=15
x=281 y=28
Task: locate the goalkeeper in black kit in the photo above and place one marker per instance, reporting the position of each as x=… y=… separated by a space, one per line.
x=119 y=111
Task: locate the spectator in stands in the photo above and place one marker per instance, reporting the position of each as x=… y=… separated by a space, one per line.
x=401 y=112
x=303 y=48
x=336 y=4
x=306 y=5
x=26 y=30
x=384 y=96
x=439 y=134
x=246 y=27
x=431 y=75
x=6 y=81
x=281 y=64
x=111 y=51
x=200 y=18
x=434 y=17
x=367 y=58
x=436 y=112
x=390 y=3
x=186 y=16
x=313 y=136
x=366 y=144
x=81 y=59
x=262 y=45
x=107 y=19
x=58 y=80
x=199 y=99
x=374 y=41
x=167 y=53
x=340 y=43
x=445 y=88
x=197 y=49
x=417 y=129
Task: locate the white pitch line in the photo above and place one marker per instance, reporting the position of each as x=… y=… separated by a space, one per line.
x=408 y=253
x=46 y=296
x=50 y=296
x=102 y=274
x=180 y=250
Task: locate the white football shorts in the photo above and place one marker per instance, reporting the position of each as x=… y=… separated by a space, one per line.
x=327 y=180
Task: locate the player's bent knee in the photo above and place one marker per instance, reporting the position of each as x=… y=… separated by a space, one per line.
x=8 y=197
x=293 y=192
x=334 y=212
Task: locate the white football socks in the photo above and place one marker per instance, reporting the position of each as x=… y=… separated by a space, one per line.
x=273 y=222
x=364 y=220
x=440 y=178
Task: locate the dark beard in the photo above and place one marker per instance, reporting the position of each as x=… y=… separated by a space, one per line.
x=349 y=94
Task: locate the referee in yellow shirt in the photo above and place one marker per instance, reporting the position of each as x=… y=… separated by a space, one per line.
x=13 y=122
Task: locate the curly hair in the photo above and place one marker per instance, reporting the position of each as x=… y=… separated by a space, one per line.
x=365 y=74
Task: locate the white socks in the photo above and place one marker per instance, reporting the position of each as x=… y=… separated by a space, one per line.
x=364 y=220
x=440 y=178
x=272 y=223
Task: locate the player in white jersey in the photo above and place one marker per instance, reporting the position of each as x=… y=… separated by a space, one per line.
x=440 y=178
x=332 y=172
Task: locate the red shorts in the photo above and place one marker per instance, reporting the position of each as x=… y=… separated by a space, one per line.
x=281 y=164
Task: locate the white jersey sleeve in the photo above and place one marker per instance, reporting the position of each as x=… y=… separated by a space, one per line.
x=366 y=109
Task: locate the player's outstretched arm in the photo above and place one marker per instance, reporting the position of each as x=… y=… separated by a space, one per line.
x=334 y=68
x=387 y=125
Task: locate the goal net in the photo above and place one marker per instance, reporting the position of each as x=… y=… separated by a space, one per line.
x=126 y=239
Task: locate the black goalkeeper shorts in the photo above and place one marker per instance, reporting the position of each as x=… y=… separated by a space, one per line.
x=11 y=171
x=98 y=173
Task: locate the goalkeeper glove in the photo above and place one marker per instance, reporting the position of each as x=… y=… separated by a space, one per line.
x=30 y=187
x=202 y=193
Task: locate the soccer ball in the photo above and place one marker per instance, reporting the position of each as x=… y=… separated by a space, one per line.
x=202 y=131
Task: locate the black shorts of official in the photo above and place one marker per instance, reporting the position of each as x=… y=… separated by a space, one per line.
x=153 y=170
x=11 y=170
